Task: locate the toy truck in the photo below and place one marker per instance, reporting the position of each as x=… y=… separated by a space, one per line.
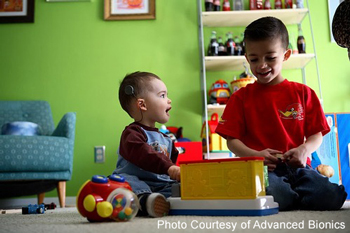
x=107 y=199
x=34 y=209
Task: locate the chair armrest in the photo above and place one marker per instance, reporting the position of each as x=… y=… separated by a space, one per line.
x=66 y=126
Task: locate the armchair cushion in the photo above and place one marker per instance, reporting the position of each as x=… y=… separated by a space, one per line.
x=38 y=112
x=24 y=128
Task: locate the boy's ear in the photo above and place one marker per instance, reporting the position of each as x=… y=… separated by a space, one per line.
x=287 y=54
x=141 y=104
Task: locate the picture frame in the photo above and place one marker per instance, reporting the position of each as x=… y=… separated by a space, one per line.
x=129 y=9
x=332 y=7
x=17 y=11
x=67 y=0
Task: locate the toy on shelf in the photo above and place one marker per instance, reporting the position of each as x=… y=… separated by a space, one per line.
x=107 y=199
x=245 y=78
x=226 y=187
x=219 y=92
x=216 y=142
x=34 y=209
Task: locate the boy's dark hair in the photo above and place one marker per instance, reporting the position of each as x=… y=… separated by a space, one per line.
x=132 y=86
x=267 y=28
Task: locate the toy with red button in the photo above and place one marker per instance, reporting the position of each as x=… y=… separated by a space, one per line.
x=107 y=199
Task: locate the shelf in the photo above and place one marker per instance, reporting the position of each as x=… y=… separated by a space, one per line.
x=215 y=108
x=235 y=63
x=243 y=18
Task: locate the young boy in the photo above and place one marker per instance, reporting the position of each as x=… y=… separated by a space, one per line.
x=276 y=118
x=146 y=157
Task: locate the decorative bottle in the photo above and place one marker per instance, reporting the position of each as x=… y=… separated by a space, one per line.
x=226 y=5
x=238 y=4
x=301 y=41
x=278 y=4
x=267 y=5
x=209 y=6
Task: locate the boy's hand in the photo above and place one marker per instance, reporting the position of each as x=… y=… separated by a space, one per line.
x=296 y=157
x=270 y=158
x=174 y=172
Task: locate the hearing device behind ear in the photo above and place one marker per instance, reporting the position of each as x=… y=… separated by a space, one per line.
x=129 y=90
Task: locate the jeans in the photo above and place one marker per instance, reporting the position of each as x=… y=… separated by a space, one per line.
x=140 y=187
x=304 y=188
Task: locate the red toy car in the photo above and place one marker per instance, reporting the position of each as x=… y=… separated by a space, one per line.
x=107 y=199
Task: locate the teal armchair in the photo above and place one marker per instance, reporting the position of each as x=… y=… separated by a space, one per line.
x=33 y=165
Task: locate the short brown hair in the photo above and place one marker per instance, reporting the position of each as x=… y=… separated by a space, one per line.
x=132 y=86
x=267 y=28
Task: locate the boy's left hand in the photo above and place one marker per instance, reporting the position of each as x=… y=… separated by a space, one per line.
x=296 y=157
x=174 y=172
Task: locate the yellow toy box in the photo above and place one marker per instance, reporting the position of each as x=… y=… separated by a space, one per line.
x=236 y=178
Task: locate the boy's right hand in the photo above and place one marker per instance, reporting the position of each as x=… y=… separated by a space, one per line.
x=174 y=172
x=271 y=160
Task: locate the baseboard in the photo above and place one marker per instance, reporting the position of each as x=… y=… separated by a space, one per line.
x=16 y=203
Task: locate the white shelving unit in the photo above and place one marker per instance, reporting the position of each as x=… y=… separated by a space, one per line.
x=218 y=19
x=221 y=63
x=243 y=18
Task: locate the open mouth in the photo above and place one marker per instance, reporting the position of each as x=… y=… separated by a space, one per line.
x=265 y=73
x=167 y=111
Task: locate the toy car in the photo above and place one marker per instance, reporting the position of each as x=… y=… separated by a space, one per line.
x=34 y=209
x=107 y=199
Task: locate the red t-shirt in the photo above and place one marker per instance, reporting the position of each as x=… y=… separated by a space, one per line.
x=278 y=117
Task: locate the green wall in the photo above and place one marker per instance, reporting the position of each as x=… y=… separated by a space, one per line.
x=75 y=60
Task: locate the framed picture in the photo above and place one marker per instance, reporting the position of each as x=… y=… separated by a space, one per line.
x=129 y=9
x=17 y=11
x=332 y=7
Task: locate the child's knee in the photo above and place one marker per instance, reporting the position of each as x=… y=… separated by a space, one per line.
x=331 y=197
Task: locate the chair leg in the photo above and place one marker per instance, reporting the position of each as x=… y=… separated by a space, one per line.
x=61 y=190
x=41 y=197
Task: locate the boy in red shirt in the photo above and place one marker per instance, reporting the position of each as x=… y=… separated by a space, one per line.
x=274 y=117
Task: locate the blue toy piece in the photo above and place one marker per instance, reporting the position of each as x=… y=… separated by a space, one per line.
x=34 y=209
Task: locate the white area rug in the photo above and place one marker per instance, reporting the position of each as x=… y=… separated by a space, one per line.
x=69 y=220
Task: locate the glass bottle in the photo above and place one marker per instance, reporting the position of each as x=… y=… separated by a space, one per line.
x=217 y=6
x=238 y=48
x=293 y=44
x=221 y=48
x=299 y=3
x=267 y=5
x=213 y=48
x=238 y=5
x=288 y=4
x=259 y=4
x=230 y=44
x=301 y=41
x=242 y=43
x=209 y=6
x=252 y=4
x=278 y=4
x=226 y=5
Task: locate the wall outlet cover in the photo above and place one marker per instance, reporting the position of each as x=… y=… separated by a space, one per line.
x=100 y=154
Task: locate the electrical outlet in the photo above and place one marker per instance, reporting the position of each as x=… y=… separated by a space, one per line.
x=100 y=154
